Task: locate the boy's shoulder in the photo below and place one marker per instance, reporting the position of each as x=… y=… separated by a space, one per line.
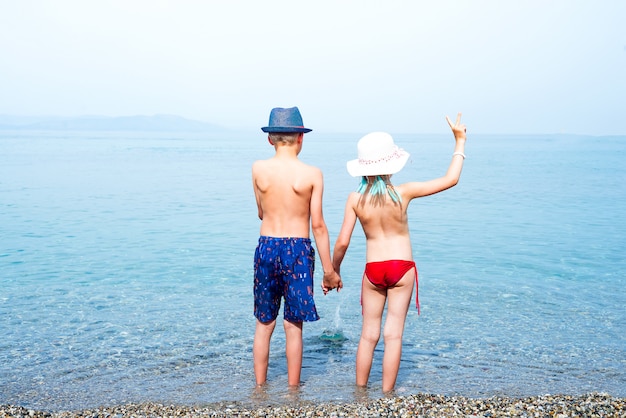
x=261 y=164
x=310 y=170
x=295 y=164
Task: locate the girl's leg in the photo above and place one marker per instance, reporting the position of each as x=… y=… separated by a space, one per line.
x=399 y=300
x=373 y=304
x=293 y=350
x=261 y=349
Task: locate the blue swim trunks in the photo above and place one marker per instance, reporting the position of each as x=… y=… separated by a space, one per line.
x=283 y=268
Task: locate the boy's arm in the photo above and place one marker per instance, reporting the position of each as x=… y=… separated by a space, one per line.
x=320 y=232
x=256 y=191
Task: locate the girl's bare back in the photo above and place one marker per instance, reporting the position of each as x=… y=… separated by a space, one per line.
x=386 y=229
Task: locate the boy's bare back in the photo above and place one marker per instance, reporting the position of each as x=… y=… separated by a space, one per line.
x=287 y=192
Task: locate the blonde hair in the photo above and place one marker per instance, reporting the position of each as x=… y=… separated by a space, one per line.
x=284 y=137
x=378 y=187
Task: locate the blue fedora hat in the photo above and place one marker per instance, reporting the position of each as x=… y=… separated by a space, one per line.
x=285 y=120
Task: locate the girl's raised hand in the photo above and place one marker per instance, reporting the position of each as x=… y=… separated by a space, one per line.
x=458 y=128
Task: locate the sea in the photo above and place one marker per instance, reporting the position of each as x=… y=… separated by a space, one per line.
x=126 y=265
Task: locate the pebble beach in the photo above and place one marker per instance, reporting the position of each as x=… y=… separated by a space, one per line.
x=419 y=405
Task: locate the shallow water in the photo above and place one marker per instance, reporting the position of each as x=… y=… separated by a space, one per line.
x=126 y=270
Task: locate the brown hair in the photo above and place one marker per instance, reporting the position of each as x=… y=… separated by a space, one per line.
x=379 y=193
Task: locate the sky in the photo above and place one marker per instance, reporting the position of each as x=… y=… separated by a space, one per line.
x=511 y=67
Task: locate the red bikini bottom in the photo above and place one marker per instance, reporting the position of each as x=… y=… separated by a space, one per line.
x=385 y=274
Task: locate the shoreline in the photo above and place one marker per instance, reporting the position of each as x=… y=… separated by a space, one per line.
x=419 y=405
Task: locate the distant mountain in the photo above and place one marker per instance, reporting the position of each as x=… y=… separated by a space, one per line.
x=104 y=123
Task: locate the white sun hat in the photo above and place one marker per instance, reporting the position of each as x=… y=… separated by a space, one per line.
x=378 y=155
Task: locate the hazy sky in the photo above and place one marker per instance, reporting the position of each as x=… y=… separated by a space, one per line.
x=533 y=66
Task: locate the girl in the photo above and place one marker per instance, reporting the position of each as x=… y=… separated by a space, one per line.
x=390 y=271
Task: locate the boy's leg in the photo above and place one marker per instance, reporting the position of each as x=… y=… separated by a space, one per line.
x=399 y=298
x=267 y=296
x=373 y=304
x=261 y=349
x=293 y=351
x=299 y=302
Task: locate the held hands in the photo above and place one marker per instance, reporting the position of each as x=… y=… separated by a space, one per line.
x=331 y=281
x=458 y=128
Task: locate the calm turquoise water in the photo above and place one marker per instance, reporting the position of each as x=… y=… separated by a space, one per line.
x=126 y=270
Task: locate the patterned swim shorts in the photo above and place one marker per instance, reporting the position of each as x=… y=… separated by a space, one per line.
x=283 y=268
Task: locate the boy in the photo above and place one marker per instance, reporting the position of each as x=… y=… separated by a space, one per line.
x=289 y=201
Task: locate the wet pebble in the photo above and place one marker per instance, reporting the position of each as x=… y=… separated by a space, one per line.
x=420 y=405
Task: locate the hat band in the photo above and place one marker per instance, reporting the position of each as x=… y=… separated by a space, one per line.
x=394 y=156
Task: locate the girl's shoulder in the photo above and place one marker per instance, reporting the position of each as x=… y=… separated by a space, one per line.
x=354 y=197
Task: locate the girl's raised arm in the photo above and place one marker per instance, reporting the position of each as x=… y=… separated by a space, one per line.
x=416 y=189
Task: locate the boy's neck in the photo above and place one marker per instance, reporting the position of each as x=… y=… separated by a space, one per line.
x=287 y=151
